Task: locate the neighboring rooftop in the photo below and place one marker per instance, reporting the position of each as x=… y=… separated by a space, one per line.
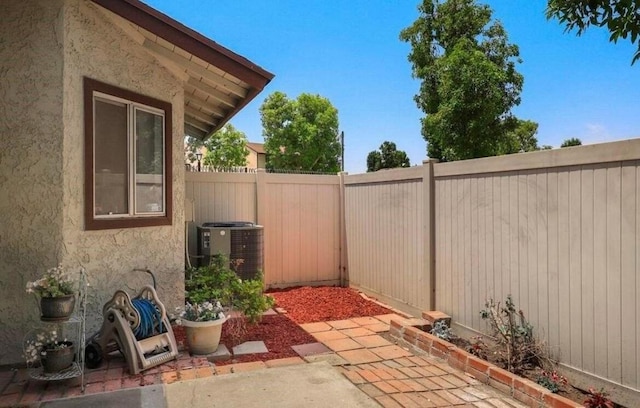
x=256 y=147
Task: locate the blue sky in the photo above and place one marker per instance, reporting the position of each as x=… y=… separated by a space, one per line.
x=349 y=52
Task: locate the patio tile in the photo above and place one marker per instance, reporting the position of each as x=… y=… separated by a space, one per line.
x=250 y=347
x=283 y=362
x=342 y=344
x=391 y=352
x=377 y=327
x=343 y=324
x=365 y=321
x=310 y=349
x=386 y=318
x=204 y=372
x=244 y=367
x=329 y=335
x=357 y=332
x=331 y=358
x=221 y=354
x=372 y=341
x=315 y=327
x=359 y=356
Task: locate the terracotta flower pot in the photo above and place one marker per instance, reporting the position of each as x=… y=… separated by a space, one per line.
x=57 y=309
x=56 y=360
x=203 y=337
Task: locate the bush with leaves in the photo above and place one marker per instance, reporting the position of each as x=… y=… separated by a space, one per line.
x=552 y=381
x=519 y=349
x=598 y=399
x=442 y=331
x=218 y=282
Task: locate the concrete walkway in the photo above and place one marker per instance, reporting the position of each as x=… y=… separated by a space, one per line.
x=361 y=368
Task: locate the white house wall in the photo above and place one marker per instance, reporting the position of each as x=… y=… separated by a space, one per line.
x=30 y=158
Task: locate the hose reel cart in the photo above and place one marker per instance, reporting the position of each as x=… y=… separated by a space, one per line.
x=138 y=328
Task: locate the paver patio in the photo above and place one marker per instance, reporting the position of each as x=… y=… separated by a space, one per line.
x=388 y=373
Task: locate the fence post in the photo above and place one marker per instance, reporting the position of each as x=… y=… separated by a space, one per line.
x=261 y=218
x=344 y=263
x=429 y=232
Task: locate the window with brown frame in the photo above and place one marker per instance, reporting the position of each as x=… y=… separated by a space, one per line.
x=127 y=158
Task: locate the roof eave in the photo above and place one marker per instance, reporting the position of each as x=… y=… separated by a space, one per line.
x=193 y=42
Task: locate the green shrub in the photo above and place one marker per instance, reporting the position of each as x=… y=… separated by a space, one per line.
x=218 y=282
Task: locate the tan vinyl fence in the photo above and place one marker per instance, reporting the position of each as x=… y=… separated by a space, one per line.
x=300 y=213
x=557 y=230
x=385 y=236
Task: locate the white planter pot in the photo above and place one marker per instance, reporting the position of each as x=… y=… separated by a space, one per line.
x=203 y=337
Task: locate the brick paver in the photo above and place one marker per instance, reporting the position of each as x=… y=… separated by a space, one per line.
x=329 y=335
x=342 y=344
x=372 y=341
x=343 y=324
x=315 y=327
x=390 y=374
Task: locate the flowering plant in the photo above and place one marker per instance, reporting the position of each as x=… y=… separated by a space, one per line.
x=55 y=282
x=202 y=312
x=36 y=348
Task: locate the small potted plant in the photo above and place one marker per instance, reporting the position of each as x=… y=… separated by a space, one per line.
x=55 y=289
x=53 y=354
x=203 y=326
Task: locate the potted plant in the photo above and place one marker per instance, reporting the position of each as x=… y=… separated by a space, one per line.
x=211 y=289
x=203 y=326
x=55 y=289
x=53 y=354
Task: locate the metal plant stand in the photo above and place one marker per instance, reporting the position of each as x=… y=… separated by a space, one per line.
x=75 y=326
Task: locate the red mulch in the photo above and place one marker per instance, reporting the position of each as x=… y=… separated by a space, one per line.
x=321 y=304
x=303 y=305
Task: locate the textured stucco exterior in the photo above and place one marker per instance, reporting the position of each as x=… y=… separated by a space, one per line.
x=47 y=48
x=31 y=197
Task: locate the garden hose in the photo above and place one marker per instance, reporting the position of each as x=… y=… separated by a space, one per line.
x=149 y=315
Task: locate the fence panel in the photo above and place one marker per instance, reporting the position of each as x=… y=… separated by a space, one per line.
x=561 y=235
x=302 y=228
x=384 y=227
x=300 y=215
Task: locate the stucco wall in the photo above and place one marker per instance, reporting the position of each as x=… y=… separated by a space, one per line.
x=96 y=48
x=46 y=47
x=30 y=158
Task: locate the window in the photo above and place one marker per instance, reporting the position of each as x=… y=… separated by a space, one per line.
x=127 y=158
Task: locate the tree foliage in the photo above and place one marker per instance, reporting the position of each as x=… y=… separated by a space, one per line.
x=388 y=157
x=469 y=79
x=620 y=17
x=574 y=141
x=300 y=134
x=521 y=137
x=225 y=148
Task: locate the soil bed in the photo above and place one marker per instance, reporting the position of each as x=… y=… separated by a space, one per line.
x=280 y=332
x=567 y=391
x=324 y=303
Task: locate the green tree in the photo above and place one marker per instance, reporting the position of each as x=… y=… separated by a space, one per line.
x=225 y=148
x=521 y=137
x=574 y=141
x=620 y=17
x=388 y=157
x=300 y=134
x=469 y=79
